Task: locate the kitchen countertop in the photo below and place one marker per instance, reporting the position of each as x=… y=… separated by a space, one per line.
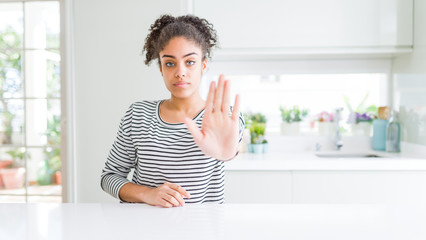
x=310 y=162
x=211 y=221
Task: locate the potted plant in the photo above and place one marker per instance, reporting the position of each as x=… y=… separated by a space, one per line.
x=55 y=164
x=361 y=118
x=257 y=126
x=7 y=117
x=325 y=123
x=13 y=175
x=361 y=123
x=50 y=171
x=291 y=118
x=3 y=164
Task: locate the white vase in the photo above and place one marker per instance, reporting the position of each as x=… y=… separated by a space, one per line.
x=245 y=141
x=326 y=128
x=258 y=148
x=361 y=129
x=290 y=129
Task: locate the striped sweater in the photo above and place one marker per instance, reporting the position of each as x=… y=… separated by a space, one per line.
x=162 y=152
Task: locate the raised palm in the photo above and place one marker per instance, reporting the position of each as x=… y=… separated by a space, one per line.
x=219 y=133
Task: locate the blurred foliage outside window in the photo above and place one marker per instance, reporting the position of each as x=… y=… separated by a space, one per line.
x=16 y=100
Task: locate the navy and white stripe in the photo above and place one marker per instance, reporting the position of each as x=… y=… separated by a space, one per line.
x=162 y=152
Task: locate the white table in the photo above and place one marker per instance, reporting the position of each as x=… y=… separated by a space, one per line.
x=208 y=221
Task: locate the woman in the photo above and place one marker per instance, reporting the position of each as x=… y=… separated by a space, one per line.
x=176 y=146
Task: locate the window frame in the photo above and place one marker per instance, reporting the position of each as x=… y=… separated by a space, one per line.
x=64 y=27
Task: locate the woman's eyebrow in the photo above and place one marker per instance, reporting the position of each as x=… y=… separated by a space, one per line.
x=186 y=55
x=189 y=54
x=169 y=56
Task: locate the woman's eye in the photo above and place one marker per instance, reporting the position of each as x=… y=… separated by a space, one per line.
x=190 y=62
x=169 y=64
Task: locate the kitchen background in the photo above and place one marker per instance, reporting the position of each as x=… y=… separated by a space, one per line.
x=277 y=53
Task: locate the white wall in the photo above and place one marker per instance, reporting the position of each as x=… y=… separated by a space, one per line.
x=109 y=75
x=409 y=81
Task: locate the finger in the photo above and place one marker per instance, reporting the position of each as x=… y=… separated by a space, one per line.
x=193 y=129
x=176 y=195
x=236 y=108
x=226 y=96
x=219 y=93
x=171 y=199
x=180 y=189
x=210 y=97
x=165 y=204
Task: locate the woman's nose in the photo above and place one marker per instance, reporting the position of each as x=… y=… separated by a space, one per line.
x=181 y=71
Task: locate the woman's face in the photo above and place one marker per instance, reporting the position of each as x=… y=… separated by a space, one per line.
x=182 y=66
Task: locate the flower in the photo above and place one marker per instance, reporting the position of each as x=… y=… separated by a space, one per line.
x=356 y=117
x=325 y=117
x=363 y=117
x=367 y=115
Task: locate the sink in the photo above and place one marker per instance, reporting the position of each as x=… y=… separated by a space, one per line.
x=336 y=154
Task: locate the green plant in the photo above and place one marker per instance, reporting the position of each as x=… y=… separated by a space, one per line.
x=53 y=134
x=18 y=156
x=53 y=130
x=293 y=114
x=257 y=133
x=258 y=118
x=7 y=123
x=53 y=156
x=52 y=164
x=250 y=118
x=10 y=64
x=256 y=123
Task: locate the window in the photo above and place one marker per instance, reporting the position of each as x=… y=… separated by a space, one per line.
x=30 y=102
x=317 y=86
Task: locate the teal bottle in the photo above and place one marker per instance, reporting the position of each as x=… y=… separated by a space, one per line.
x=393 y=134
x=44 y=174
x=378 y=141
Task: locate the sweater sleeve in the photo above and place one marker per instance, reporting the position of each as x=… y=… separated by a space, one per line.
x=121 y=158
x=241 y=125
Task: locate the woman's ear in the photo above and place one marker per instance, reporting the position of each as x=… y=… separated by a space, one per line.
x=204 y=67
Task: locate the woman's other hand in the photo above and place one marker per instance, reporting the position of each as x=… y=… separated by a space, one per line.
x=166 y=195
x=219 y=134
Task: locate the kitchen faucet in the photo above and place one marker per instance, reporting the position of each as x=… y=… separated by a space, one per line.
x=338 y=137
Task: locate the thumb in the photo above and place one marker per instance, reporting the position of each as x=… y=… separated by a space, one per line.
x=194 y=130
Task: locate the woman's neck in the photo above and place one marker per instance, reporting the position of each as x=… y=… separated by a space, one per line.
x=175 y=110
x=186 y=105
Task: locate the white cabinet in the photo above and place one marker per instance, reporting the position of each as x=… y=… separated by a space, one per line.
x=313 y=187
x=359 y=187
x=257 y=187
x=278 y=24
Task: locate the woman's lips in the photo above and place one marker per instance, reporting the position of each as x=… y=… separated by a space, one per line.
x=181 y=84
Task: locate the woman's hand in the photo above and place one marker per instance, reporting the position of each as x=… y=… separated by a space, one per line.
x=166 y=195
x=218 y=136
